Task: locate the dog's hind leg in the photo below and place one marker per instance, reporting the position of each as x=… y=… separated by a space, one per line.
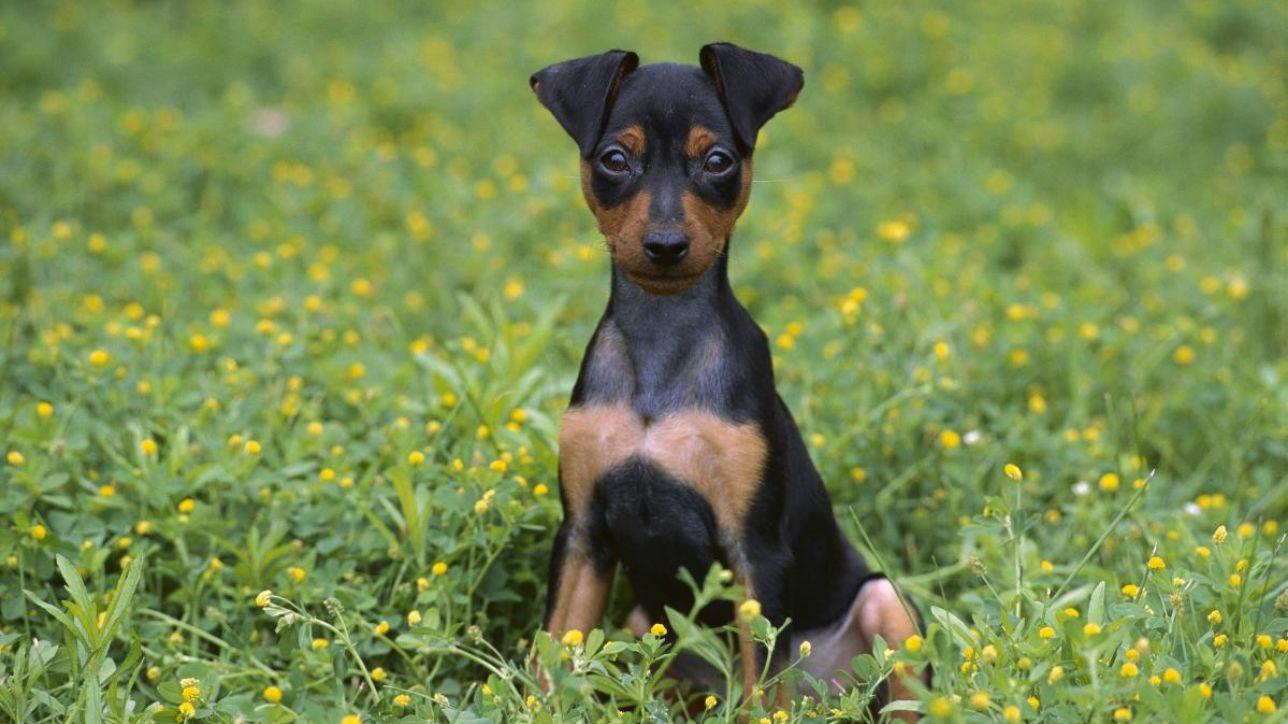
x=878 y=610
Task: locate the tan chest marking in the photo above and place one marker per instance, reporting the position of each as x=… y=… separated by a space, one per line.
x=722 y=460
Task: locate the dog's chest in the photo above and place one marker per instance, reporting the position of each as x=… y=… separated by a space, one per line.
x=722 y=460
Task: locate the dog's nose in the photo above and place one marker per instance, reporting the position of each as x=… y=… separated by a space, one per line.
x=666 y=247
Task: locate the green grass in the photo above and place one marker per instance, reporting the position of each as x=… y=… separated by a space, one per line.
x=292 y=295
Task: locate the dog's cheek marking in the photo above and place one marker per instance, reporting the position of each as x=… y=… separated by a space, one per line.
x=622 y=225
x=709 y=226
x=632 y=139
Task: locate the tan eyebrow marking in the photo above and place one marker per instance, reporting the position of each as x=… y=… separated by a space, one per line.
x=632 y=138
x=700 y=140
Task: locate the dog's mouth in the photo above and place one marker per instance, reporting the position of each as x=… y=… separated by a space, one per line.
x=663 y=283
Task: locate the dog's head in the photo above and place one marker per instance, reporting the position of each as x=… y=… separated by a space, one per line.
x=666 y=150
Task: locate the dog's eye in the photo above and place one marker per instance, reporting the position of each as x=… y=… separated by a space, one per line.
x=717 y=162
x=614 y=161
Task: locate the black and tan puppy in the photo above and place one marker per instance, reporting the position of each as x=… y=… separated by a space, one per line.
x=677 y=450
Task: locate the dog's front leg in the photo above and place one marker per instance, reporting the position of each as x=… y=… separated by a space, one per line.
x=579 y=584
x=767 y=570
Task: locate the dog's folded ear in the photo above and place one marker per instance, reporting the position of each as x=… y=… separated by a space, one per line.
x=752 y=86
x=580 y=92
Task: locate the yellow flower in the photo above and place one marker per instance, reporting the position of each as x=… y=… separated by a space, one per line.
x=1219 y=535
x=351 y=719
x=187 y=505
x=1171 y=676
x=1046 y=566
x=187 y=710
x=415 y=457
x=1109 y=482
x=382 y=628
x=893 y=231
x=253 y=447
x=1202 y=551
x=1091 y=629
x=319 y=644
x=1205 y=689
x=38 y=531
x=806 y=648
x=573 y=637
x=1268 y=670
x=1131 y=590
x=1183 y=354
x=941 y=706
x=1012 y=713
x=1013 y=471
x=912 y=643
x=191 y=693
x=1122 y=713
x=749 y=609
x=16 y=458
x=1264 y=641
x=297 y=574
x=1214 y=617
x=1236 y=580
x=263 y=598
x=658 y=629
x=378 y=674
x=1246 y=530
x=1128 y=670
x=1219 y=640
x=44 y=409
x=980 y=700
x=540 y=489
x=402 y=700
x=273 y=694
x=710 y=702
x=439 y=568
x=1265 y=704
x=99 y=357
x=1156 y=563
x=1035 y=702
x=950 y=439
x=1046 y=632
x=148 y=446
x=413 y=617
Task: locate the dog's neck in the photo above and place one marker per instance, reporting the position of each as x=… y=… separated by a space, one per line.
x=664 y=352
x=655 y=323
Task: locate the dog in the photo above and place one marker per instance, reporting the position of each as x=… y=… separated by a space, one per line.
x=676 y=451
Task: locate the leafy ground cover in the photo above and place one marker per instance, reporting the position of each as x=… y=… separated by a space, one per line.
x=292 y=295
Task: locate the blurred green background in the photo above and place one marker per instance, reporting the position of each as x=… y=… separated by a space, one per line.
x=1049 y=233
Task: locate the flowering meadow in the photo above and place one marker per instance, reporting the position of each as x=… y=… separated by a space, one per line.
x=292 y=296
